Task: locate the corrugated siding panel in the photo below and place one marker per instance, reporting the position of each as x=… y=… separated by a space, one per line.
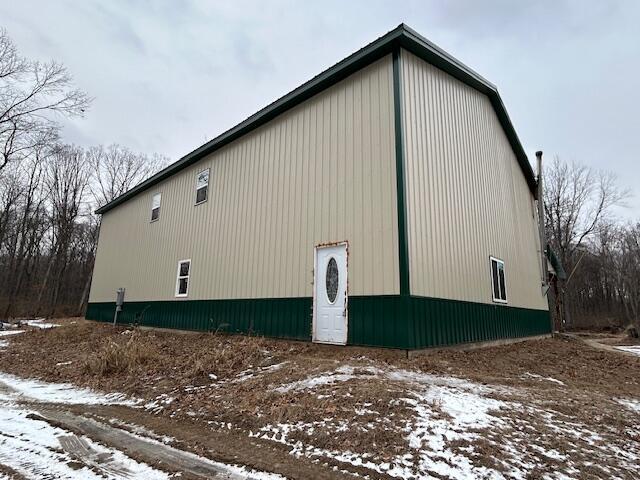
x=384 y=321
x=439 y=322
x=275 y=317
x=467 y=198
x=321 y=172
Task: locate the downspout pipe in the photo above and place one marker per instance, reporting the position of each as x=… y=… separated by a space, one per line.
x=543 y=237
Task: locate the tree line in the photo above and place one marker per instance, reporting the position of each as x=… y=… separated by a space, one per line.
x=599 y=252
x=50 y=189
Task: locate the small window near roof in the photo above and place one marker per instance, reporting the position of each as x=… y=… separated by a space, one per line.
x=182 y=280
x=498 y=282
x=202 y=186
x=155 y=207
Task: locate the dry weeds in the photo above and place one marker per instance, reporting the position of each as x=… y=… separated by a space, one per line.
x=126 y=355
x=228 y=357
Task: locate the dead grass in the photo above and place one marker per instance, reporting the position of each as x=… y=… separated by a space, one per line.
x=564 y=359
x=125 y=356
x=229 y=356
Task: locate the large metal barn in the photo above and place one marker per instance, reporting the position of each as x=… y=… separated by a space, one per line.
x=386 y=202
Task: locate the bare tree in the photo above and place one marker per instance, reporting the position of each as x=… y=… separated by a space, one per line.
x=67 y=181
x=31 y=94
x=10 y=187
x=117 y=169
x=26 y=229
x=48 y=191
x=629 y=269
x=578 y=200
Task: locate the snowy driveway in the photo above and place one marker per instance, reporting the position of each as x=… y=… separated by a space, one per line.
x=37 y=440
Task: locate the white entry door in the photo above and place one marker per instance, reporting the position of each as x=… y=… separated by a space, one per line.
x=330 y=296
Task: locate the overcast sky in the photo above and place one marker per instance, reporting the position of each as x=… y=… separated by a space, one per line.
x=168 y=75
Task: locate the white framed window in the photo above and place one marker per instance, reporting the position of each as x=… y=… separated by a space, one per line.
x=155 y=207
x=202 y=186
x=182 y=278
x=498 y=280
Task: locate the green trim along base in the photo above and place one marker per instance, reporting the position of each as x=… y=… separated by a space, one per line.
x=393 y=321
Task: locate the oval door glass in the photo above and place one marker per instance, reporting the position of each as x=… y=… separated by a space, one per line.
x=332 y=280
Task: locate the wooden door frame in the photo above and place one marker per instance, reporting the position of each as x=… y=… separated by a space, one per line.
x=346 y=291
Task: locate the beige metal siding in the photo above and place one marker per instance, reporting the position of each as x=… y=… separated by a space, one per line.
x=467 y=197
x=321 y=172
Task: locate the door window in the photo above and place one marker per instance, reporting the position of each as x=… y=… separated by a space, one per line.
x=332 y=280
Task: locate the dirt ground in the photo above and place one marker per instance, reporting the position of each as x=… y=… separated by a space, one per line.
x=537 y=409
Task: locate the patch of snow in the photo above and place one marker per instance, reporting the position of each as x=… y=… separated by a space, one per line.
x=142 y=431
x=159 y=403
x=32 y=448
x=61 y=364
x=449 y=465
x=252 y=373
x=191 y=388
x=340 y=374
x=633 y=405
x=635 y=349
x=3 y=344
x=40 y=323
x=540 y=377
x=449 y=415
x=446 y=409
x=5 y=333
x=37 y=391
x=365 y=410
x=465 y=407
x=231 y=469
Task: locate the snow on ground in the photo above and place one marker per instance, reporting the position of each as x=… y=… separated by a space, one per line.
x=449 y=415
x=635 y=349
x=16 y=388
x=142 y=431
x=159 y=403
x=341 y=374
x=33 y=448
x=33 y=322
x=5 y=333
x=633 y=405
x=540 y=377
x=253 y=372
x=151 y=437
x=463 y=403
x=40 y=323
x=164 y=400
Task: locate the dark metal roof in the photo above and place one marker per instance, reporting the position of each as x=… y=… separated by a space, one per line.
x=401 y=36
